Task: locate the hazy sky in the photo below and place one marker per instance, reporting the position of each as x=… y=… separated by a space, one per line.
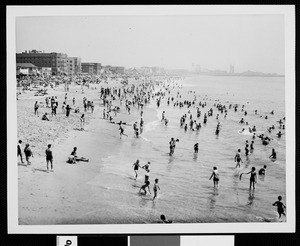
x=249 y=42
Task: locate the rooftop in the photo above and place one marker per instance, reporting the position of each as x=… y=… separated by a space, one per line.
x=25 y=65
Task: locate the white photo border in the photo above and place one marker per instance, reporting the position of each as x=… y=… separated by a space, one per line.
x=200 y=228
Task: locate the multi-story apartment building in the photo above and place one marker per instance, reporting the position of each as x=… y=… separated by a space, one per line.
x=57 y=61
x=91 y=68
x=73 y=65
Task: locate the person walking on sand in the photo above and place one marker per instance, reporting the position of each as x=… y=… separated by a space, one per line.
x=280 y=207
x=82 y=122
x=136 y=166
x=49 y=158
x=19 y=149
x=122 y=131
x=28 y=153
x=155 y=188
x=215 y=176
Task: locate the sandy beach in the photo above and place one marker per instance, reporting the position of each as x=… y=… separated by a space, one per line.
x=63 y=196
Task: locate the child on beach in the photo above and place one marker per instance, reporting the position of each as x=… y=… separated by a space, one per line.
x=155 y=187
x=44 y=117
x=280 y=206
x=144 y=187
x=49 y=157
x=215 y=174
x=136 y=166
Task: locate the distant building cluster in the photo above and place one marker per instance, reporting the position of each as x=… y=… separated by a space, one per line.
x=146 y=71
x=231 y=72
x=39 y=62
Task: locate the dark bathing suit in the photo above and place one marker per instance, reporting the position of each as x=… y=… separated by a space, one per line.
x=49 y=156
x=252 y=177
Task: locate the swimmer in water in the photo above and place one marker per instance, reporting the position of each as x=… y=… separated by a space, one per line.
x=262 y=171
x=215 y=176
x=279 y=134
x=251 y=146
x=196 y=147
x=280 y=206
x=273 y=155
x=252 y=177
x=163 y=116
x=246 y=148
x=185 y=127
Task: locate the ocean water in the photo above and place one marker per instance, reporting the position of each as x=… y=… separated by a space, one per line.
x=187 y=195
